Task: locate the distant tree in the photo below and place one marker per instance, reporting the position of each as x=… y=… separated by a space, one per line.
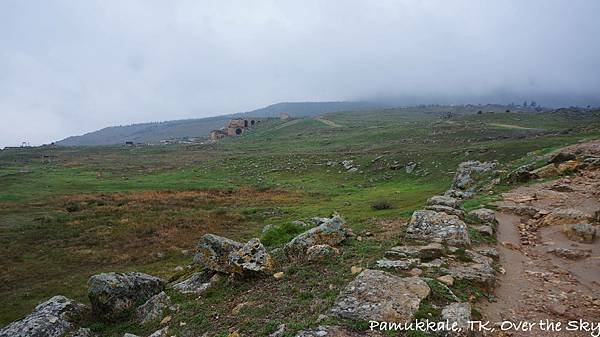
x=507 y=110
x=525 y=103
x=479 y=112
x=533 y=103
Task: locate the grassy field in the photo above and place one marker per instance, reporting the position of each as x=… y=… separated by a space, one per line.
x=69 y=213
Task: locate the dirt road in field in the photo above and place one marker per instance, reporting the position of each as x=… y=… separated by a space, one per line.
x=546 y=274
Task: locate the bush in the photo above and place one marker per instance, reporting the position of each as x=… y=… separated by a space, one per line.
x=381 y=205
x=281 y=234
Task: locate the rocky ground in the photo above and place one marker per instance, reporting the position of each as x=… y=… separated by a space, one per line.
x=549 y=253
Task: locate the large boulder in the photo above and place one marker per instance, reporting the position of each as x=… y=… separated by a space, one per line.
x=213 y=252
x=114 y=295
x=56 y=317
x=380 y=296
x=197 y=282
x=330 y=232
x=251 y=258
x=227 y=256
x=431 y=226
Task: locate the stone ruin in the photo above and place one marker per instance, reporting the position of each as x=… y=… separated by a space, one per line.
x=236 y=127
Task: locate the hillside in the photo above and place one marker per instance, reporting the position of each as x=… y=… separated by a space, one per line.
x=155 y=132
x=68 y=213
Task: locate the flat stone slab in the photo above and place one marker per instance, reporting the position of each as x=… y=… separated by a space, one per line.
x=380 y=296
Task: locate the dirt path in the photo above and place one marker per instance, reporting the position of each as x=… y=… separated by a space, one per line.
x=328 y=122
x=537 y=284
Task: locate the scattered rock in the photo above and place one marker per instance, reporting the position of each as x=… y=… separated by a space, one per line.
x=213 y=252
x=484 y=229
x=521 y=174
x=113 y=294
x=266 y=228
x=429 y=226
x=427 y=252
x=561 y=188
x=484 y=215
x=355 y=270
x=321 y=252
x=467 y=176
x=154 y=309
x=279 y=332
x=377 y=295
x=54 y=318
x=446 y=209
x=443 y=201
x=522 y=210
x=330 y=232
x=227 y=256
x=82 y=332
x=129 y=335
x=396 y=264
x=197 y=282
x=480 y=273
x=582 y=232
x=571 y=254
x=164 y=332
x=569 y=216
x=447 y=280
x=335 y=331
x=561 y=157
x=252 y=258
x=459 y=313
x=489 y=252
x=279 y=275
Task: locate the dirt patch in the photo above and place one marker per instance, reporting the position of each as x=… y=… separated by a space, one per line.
x=537 y=284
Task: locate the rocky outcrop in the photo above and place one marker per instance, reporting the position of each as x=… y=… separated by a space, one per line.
x=57 y=317
x=330 y=232
x=197 y=282
x=113 y=295
x=446 y=209
x=377 y=295
x=227 y=256
x=431 y=226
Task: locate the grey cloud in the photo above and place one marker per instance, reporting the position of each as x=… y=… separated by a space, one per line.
x=68 y=67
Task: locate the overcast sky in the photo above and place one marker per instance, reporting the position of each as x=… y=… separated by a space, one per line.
x=69 y=67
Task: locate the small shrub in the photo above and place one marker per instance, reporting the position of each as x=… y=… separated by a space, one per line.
x=381 y=205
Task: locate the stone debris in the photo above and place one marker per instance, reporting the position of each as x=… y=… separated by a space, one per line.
x=336 y=331
x=571 y=254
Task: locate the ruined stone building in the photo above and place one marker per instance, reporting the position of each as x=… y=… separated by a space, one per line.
x=236 y=127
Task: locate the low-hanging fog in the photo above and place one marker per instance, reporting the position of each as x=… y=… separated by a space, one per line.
x=68 y=67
